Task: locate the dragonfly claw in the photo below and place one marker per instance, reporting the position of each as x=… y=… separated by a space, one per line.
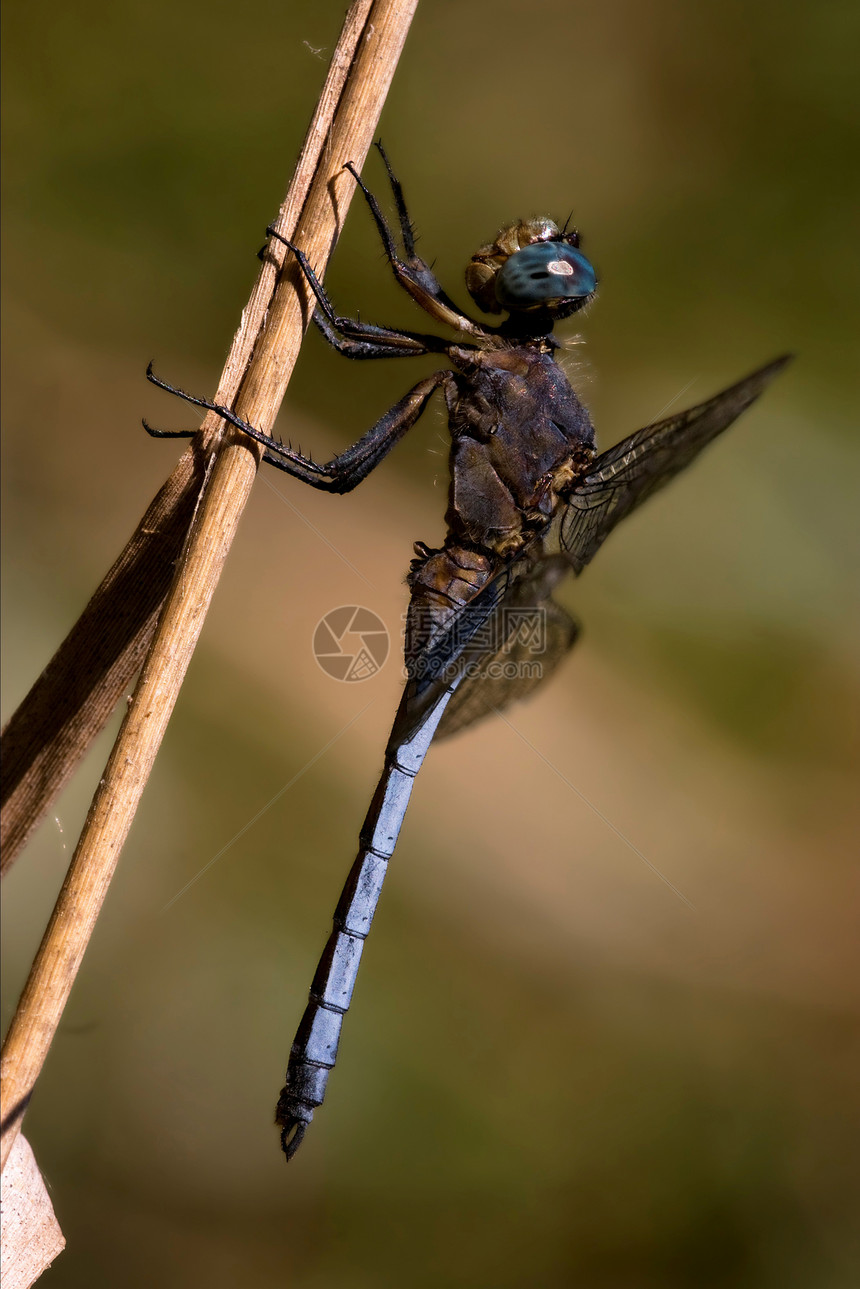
x=271 y=231
x=293 y=1135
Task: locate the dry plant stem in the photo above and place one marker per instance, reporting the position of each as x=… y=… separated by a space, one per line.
x=355 y=118
x=74 y=696
x=94 y=666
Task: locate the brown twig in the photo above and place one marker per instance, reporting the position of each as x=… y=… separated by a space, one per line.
x=70 y=702
x=313 y=213
x=72 y=699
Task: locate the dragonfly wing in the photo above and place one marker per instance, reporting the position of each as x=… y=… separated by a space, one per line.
x=523 y=661
x=438 y=662
x=513 y=609
x=621 y=479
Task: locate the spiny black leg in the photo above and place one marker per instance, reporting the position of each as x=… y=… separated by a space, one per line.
x=388 y=342
x=293 y=462
x=419 y=266
x=353 y=465
x=190 y=434
x=223 y=412
x=416 y=276
x=343 y=472
x=325 y=304
x=400 y=341
x=357 y=348
x=167 y=434
x=376 y=211
x=407 y=228
x=346 y=471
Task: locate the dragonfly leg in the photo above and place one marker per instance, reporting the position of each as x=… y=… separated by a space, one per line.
x=407 y=228
x=191 y=434
x=350 y=467
x=413 y=274
x=167 y=434
x=355 y=345
x=387 y=342
x=345 y=471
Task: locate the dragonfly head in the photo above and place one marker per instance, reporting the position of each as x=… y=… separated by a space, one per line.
x=531 y=265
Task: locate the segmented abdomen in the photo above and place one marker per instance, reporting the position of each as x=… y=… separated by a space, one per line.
x=442 y=582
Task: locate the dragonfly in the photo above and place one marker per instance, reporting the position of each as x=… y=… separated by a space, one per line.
x=531 y=500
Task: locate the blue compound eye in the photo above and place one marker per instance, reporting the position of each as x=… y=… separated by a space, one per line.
x=542 y=274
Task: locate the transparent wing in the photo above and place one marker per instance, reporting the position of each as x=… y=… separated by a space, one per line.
x=498 y=647
x=623 y=477
x=440 y=661
x=523 y=661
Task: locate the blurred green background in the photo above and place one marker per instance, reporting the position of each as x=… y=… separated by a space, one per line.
x=555 y=1072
